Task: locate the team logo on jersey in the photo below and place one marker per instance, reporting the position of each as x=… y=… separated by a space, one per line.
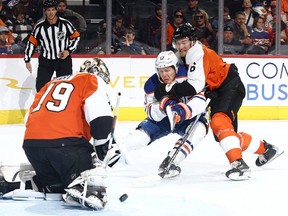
x=192 y=67
x=60 y=35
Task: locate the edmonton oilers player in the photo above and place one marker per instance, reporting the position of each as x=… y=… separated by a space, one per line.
x=158 y=124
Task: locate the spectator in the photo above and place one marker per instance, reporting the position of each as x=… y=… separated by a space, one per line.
x=118 y=28
x=249 y=12
x=227 y=20
x=204 y=30
x=260 y=37
x=284 y=7
x=270 y=24
x=178 y=19
x=58 y=38
x=3 y=23
x=242 y=32
x=234 y=6
x=6 y=10
x=5 y=47
x=230 y=45
x=129 y=46
x=192 y=8
x=11 y=37
x=155 y=27
x=22 y=26
x=33 y=9
x=75 y=18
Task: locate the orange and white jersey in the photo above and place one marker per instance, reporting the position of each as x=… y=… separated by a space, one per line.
x=205 y=67
x=66 y=106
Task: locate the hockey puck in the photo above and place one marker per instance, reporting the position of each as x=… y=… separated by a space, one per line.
x=123 y=197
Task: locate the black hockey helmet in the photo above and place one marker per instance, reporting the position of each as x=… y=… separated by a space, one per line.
x=183 y=31
x=49 y=3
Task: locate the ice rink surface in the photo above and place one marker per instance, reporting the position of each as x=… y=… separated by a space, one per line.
x=201 y=190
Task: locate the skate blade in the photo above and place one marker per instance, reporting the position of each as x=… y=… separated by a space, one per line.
x=237 y=177
x=275 y=156
x=27 y=195
x=95 y=204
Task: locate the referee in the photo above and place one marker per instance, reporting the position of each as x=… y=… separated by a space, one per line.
x=57 y=38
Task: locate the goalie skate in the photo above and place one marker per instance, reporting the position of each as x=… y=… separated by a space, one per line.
x=91 y=201
x=71 y=201
x=240 y=171
x=271 y=153
x=168 y=169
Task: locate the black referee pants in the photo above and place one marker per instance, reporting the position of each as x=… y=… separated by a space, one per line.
x=47 y=67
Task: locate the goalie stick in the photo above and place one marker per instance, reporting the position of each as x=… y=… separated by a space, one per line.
x=107 y=158
x=114 y=119
x=123 y=151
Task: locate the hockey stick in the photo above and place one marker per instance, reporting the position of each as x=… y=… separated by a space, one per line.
x=116 y=110
x=182 y=141
x=106 y=159
x=114 y=119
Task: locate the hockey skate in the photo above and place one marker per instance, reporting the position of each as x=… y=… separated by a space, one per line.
x=89 y=189
x=91 y=198
x=240 y=171
x=168 y=169
x=270 y=154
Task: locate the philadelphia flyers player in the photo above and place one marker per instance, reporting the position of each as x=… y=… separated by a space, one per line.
x=65 y=114
x=226 y=90
x=158 y=124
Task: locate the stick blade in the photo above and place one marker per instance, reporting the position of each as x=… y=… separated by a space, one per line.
x=171 y=116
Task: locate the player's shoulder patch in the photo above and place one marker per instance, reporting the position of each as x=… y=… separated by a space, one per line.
x=182 y=71
x=151 y=84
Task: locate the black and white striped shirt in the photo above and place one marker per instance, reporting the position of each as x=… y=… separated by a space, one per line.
x=53 y=39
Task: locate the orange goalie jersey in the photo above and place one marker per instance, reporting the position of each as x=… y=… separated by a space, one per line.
x=65 y=106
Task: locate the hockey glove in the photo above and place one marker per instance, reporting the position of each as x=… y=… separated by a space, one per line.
x=167 y=101
x=182 y=112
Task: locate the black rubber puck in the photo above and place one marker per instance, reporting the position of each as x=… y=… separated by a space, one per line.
x=123 y=197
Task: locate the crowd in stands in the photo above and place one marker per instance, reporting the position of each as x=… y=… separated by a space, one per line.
x=249 y=25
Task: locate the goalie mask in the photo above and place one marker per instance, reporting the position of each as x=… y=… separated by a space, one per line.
x=166 y=59
x=97 y=67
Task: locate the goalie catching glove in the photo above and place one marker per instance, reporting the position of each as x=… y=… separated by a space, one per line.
x=88 y=190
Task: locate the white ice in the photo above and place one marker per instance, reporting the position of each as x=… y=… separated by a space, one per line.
x=201 y=190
